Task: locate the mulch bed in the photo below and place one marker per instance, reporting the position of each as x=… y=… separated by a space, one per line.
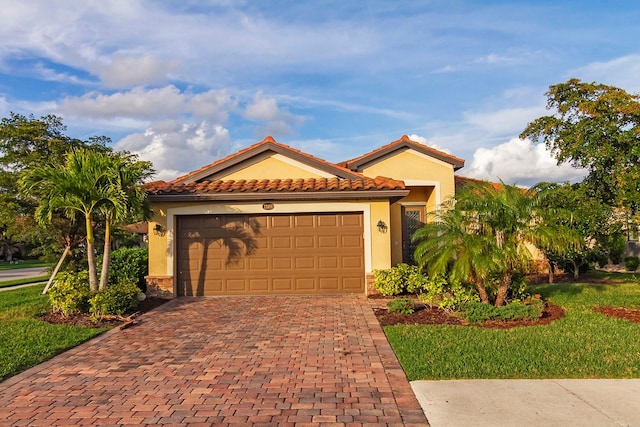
x=106 y=322
x=435 y=316
x=630 y=314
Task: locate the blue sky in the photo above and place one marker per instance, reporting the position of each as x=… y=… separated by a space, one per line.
x=183 y=83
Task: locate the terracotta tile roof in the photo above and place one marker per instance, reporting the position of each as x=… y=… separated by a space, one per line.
x=461 y=181
x=262 y=146
x=404 y=141
x=309 y=185
x=137 y=228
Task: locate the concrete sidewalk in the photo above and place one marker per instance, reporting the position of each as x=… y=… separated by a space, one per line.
x=561 y=402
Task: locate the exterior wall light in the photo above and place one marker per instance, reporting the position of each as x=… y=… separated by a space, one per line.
x=382 y=227
x=158 y=230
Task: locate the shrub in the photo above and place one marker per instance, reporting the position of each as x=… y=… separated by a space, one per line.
x=631 y=263
x=129 y=265
x=399 y=279
x=445 y=295
x=401 y=305
x=71 y=293
x=477 y=312
x=115 y=299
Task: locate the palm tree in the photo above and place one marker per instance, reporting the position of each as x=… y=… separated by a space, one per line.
x=83 y=184
x=128 y=175
x=491 y=230
x=449 y=245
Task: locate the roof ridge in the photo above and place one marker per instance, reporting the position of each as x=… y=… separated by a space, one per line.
x=404 y=139
x=267 y=140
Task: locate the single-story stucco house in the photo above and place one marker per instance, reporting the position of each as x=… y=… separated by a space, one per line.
x=271 y=219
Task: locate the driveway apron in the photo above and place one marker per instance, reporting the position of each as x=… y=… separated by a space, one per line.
x=313 y=360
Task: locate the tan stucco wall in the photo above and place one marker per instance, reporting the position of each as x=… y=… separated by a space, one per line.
x=380 y=241
x=411 y=166
x=157 y=243
x=273 y=168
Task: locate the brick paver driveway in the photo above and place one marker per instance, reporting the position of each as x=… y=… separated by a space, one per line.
x=207 y=361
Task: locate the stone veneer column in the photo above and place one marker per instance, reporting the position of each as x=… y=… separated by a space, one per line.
x=160 y=286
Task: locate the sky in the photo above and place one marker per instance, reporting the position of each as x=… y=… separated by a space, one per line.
x=183 y=83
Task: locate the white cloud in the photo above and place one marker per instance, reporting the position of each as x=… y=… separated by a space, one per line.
x=126 y=71
x=278 y=121
x=166 y=102
x=520 y=162
x=262 y=109
x=446 y=69
x=622 y=72
x=49 y=74
x=177 y=148
x=495 y=59
x=422 y=140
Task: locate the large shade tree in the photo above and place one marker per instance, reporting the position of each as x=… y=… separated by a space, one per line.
x=574 y=206
x=597 y=127
x=490 y=231
x=27 y=143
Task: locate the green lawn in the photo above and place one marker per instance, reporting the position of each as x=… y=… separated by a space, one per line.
x=4 y=265
x=26 y=341
x=583 y=344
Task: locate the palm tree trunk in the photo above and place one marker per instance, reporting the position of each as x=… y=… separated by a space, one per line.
x=91 y=256
x=482 y=291
x=551 y=269
x=106 y=256
x=505 y=282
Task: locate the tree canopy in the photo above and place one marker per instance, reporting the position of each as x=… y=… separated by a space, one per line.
x=597 y=127
x=27 y=143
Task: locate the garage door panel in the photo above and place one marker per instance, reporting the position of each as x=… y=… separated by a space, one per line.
x=328 y=241
x=283 y=284
x=236 y=285
x=259 y=285
x=352 y=262
x=326 y=262
x=351 y=220
x=352 y=283
x=281 y=264
x=327 y=221
x=235 y=264
x=303 y=253
x=304 y=242
x=304 y=221
x=328 y=284
x=259 y=264
x=351 y=241
x=305 y=284
x=281 y=242
x=281 y=222
x=305 y=263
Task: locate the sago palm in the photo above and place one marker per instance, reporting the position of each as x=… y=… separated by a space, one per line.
x=449 y=244
x=490 y=230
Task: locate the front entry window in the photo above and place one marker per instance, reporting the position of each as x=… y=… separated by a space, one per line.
x=413 y=218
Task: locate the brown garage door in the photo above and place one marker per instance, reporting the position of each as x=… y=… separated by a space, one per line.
x=265 y=254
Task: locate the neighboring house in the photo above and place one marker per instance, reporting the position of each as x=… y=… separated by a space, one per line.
x=271 y=219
